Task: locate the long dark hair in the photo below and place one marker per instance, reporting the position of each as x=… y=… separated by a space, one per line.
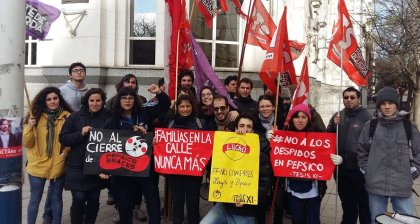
x=39 y=106
x=117 y=110
x=124 y=79
x=212 y=93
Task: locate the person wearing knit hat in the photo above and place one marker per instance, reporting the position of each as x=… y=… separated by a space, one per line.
x=387 y=94
x=390 y=159
x=305 y=195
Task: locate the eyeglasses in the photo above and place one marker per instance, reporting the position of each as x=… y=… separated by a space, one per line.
x=127 y=98
x=78 y=70
x=206 y=94
x=351 y=97
x=222 y=108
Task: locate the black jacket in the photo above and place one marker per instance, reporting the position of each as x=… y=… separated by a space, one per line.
x=246 y=105
x=71 y=136
x=264 y=182
x=146 y=115
x=349 y=129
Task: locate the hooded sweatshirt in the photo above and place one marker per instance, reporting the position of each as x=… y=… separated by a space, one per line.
x=72 y=95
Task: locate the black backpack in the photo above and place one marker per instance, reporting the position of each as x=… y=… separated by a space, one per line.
x=407 y=127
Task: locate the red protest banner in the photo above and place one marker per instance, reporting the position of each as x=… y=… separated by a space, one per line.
x=182 y=152
x=302 y=154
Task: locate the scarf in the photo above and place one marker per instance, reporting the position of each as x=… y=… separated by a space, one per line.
x=52 y=116
x=267 y=123
x=182 y=122
x=221 y=125
x=207 y=110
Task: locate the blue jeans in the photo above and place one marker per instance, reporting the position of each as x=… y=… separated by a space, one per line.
x=378 y=205
x=219 y=215
x=55 y=192
x=85 y=206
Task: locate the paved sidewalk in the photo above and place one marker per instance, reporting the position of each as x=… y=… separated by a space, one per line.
x=107 y=212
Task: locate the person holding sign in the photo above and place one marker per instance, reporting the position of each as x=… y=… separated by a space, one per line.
x=239 y=212
x=305 y=194
x=46 y=156
x=185 y=188
x=129 y=115
x=85 y=189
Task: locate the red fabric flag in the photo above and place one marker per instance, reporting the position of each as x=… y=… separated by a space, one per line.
x=208 y=8
x=181 y=24
x=261 y=26
x=278 y=59
x=296 y=48
x=223 y=5
x=301 y=94
x=344 y=40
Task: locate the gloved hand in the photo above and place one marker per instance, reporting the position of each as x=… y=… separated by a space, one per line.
x=414 y=173
x=336 y=159
x=269 y=134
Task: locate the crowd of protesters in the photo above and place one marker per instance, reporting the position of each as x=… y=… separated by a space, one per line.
x=372 y=166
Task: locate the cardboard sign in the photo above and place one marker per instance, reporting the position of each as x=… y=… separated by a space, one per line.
x=303 y=154
x=118 y=152
x=235 y=168
x=182 y=152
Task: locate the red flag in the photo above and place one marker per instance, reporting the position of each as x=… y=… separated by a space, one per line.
x=261 y=26
x=223 y=5
x=238 y=7
x=208 y=8
x=181 y=24
x=301 y=94
x=344 y=41
x=296 y=48
x=278 y=59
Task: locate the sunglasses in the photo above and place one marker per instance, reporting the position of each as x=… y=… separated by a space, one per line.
x=351 y=97
x=222 y=108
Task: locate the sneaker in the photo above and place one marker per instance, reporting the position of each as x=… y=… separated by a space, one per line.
x=116 y=219
x=140 y=214
x=110 y=200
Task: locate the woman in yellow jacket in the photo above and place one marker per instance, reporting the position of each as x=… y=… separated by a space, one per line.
x=46 y=156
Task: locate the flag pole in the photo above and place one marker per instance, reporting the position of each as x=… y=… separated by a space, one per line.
x=338 y=113
x=245 y=39
x=177 y=62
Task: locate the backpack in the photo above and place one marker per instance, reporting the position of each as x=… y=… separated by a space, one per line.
x=407 y=127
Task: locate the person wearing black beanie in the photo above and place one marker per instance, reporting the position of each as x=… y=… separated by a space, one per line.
x=390 y=159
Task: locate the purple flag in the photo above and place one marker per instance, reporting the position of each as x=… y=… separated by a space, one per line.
x=204 y=73
x=39 y=17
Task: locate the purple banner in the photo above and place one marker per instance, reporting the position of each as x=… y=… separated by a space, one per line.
x=204 y=73
x=39 y=17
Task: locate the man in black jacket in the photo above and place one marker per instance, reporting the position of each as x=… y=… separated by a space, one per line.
x=351 y=183
x=238 y=212
x=246 y=105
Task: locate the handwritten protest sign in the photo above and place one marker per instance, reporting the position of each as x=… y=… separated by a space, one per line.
x=235 y=168
x=118 y=152
x=302 y=154
x=183 y=152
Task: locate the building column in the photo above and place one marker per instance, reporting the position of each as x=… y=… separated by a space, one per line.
x=12 y=62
